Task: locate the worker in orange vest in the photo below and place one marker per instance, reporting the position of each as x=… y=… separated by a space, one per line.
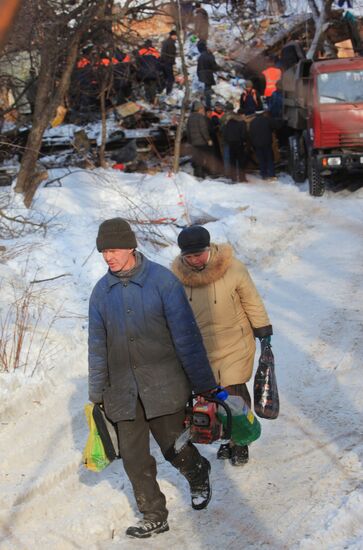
x=272 y=74
x=217 y=113
x=214 y=130
x=104 y=66
x=83 y=89
x=149 y=68
x=250 y=100
x=123 y=77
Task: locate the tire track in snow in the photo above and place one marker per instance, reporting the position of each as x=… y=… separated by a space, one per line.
x=26 y=397
x=49 y=484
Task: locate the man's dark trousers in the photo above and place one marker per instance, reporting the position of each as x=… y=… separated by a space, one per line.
x=208 y=95
x=169 y=77
x=265 y=159
x=140 y=465
x=150 y=87
x=237 y=159
x=201 y=160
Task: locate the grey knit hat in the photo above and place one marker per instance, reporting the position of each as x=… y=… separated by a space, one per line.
x=115 y=233
x=196 y=105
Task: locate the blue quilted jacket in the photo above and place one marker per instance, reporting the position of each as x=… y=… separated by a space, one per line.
x=143 y=340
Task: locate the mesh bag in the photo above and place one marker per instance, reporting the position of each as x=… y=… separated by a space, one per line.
x=265 y=392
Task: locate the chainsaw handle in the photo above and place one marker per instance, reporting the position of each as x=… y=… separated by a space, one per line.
x=228 y=430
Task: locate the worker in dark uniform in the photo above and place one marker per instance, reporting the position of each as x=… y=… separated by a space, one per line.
x=167 y=60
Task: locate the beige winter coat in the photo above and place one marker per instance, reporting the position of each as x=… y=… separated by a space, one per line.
x=227 y=307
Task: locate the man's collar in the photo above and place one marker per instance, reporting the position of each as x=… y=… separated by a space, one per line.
x=138 y=278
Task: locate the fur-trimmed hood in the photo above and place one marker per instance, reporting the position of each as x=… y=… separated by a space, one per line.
x=228 y=309
x=220 y=260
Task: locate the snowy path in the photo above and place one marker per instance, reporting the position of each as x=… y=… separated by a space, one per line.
x=302 y=488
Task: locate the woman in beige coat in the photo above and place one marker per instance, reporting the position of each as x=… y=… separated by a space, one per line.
x=229 y=312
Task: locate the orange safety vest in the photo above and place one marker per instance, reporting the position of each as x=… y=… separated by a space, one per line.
x=218 y=115
x=126 y=59
x=106 y=61
x=272 y=75
x=83 y=62
x=253 y=94
x=149 y=51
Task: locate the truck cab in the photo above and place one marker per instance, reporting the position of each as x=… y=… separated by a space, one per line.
x=323 y=107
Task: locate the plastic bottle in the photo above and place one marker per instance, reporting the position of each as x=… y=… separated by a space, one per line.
x=245 y=426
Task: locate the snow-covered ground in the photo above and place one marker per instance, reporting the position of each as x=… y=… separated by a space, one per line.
x=302 y=488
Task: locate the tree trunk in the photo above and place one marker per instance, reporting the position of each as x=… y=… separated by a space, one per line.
x=41 y=118
x=49 y=96
x=277 y=7
x=29 y=161
x=103 y=131
x=185 y=103
x=321 y=24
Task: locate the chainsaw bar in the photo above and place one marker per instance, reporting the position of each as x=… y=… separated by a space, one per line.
x=182 y=440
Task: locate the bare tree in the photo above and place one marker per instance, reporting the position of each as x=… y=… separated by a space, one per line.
x=179 y=30
x=62 y=33
x=61 y=27
x=321 y=18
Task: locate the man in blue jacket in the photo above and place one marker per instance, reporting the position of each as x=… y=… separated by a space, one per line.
x=146 y=355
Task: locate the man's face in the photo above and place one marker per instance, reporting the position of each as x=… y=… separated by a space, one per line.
x=219 y=109
x=198 y=260
x=119 y=259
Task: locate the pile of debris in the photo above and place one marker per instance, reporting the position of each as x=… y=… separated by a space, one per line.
x=141 y=136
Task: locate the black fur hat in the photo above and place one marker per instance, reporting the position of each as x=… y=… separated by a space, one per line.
x=193 y=239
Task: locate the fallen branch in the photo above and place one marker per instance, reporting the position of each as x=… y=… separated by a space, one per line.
x=21 y=219
x=50 y=278
x=159 y=221
x=88 y=257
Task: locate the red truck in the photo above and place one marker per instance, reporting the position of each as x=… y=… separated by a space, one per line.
x=323 y=108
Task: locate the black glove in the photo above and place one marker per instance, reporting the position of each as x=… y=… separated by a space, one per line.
x=266 y=341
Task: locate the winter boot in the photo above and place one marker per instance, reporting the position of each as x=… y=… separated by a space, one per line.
x=224 y=452
x=239 y=455
x=200 y=489
x=145 y=528
x=242 y=178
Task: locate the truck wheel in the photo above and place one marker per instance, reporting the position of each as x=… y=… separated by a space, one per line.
x=316 y=180
x=297 y=166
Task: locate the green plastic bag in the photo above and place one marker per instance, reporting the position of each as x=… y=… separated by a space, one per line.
x=245 y=426
x=94 y=455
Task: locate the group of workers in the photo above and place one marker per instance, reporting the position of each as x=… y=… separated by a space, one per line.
x=124 y=75
x=120 y=74
x=224 y=139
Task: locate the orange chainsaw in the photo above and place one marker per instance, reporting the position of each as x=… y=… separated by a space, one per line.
x=202 y=424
